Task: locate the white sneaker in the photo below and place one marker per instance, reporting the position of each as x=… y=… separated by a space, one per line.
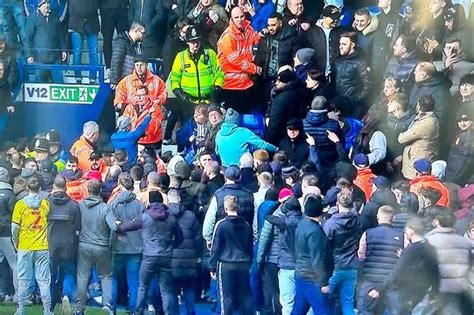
x=151 y=309
x=66 y=306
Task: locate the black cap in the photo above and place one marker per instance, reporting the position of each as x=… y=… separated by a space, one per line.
x=140 y=58
x=53 y=137
x=95 y=156
x=331 y=11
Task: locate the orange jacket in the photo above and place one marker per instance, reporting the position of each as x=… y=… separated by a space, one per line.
x=77 y=189
x=363 y=181
x=125 y=90
x=236 y=57
x=82 y=149
x=431 y=181
x=153 y=133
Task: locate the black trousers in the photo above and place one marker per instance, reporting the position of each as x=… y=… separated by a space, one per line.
x=240 y=100
x=112 y=19
x=271 y=291
x=178 y=112
x=234 y=288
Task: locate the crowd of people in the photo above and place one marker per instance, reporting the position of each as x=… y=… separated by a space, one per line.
x=324 y=164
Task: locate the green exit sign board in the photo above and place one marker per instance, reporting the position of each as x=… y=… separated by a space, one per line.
x=59 y=93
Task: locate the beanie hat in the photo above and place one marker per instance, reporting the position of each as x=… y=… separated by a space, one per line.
x=422 y=166
x=291 y=204
x=438 y=169
x=46 y=166
x=41 y=145
x=361 y=160
x=276 y=167
x=232 y=173
x=305 y=55
x=183 y=170
x=286 y=76
x=284 y=194
x=294 y=124
x=380 y=181
x=4 y=176
x=289 y=171
x=232 y=117
x=264 y=167
x=53 y=137
x=313 y=207
x=123 y=122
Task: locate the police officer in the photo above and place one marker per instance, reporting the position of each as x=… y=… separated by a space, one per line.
x=196 y=78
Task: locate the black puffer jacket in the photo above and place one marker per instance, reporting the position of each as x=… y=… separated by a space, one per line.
x=64 y=220
x=288 y=45
x=185 y=256
x=124 y=53
x=437 y=89
x=84 y=13
x=287 y=224
x=146 y=12
x=316 y=125
x=316 y=38
x=402 y=69
x=351 y=76
x=343 y=231
x=7 y=203
x=296 y=149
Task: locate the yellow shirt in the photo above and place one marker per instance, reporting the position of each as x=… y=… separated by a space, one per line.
x=33 y=233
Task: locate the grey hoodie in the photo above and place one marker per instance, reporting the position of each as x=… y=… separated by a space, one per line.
x=126 y=207
x=97 y=222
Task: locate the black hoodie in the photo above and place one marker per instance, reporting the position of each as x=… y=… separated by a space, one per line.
x=64 y=223
x=296 y=149
x=232 y=242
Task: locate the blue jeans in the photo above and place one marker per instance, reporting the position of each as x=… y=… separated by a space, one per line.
x=308 y=294
x=63 y=279
x=345 y=282
x=130 y=264
x=92 y=43
x=12 y=12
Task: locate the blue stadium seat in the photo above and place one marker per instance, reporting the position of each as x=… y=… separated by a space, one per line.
x=255 y=122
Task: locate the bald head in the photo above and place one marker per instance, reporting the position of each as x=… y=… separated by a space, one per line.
x=237 y=17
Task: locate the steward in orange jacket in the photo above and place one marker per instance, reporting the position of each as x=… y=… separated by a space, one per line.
x=138 y=109
x=424 y=178
x=85 y=145
x=141 y=76
x=235 y=53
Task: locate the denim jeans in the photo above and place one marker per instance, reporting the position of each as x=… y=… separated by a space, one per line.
x=63 y=279
x=161 y=266
x=36 y=262
x=92 y=44
x=345 y=282
x=308 y=294
x=12 y=12
x=188 y=287
x=130 y=264
x=8 y=251
x=286 y=283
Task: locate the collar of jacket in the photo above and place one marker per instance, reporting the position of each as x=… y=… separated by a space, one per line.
x=235 y=30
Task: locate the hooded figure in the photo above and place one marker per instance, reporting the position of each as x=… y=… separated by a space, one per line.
x=294 y=144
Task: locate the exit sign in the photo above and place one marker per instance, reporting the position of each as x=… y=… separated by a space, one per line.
x=59 y=93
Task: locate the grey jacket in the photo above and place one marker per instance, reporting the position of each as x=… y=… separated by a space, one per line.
x=454 y=258
x=268 y=244
x=127 y=207
x=97 y=222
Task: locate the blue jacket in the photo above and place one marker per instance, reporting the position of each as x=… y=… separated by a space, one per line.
x=127 y=140
x=262 y=13
x=232 y=141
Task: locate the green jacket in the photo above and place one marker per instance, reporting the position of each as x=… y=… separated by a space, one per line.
x=196 y=80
